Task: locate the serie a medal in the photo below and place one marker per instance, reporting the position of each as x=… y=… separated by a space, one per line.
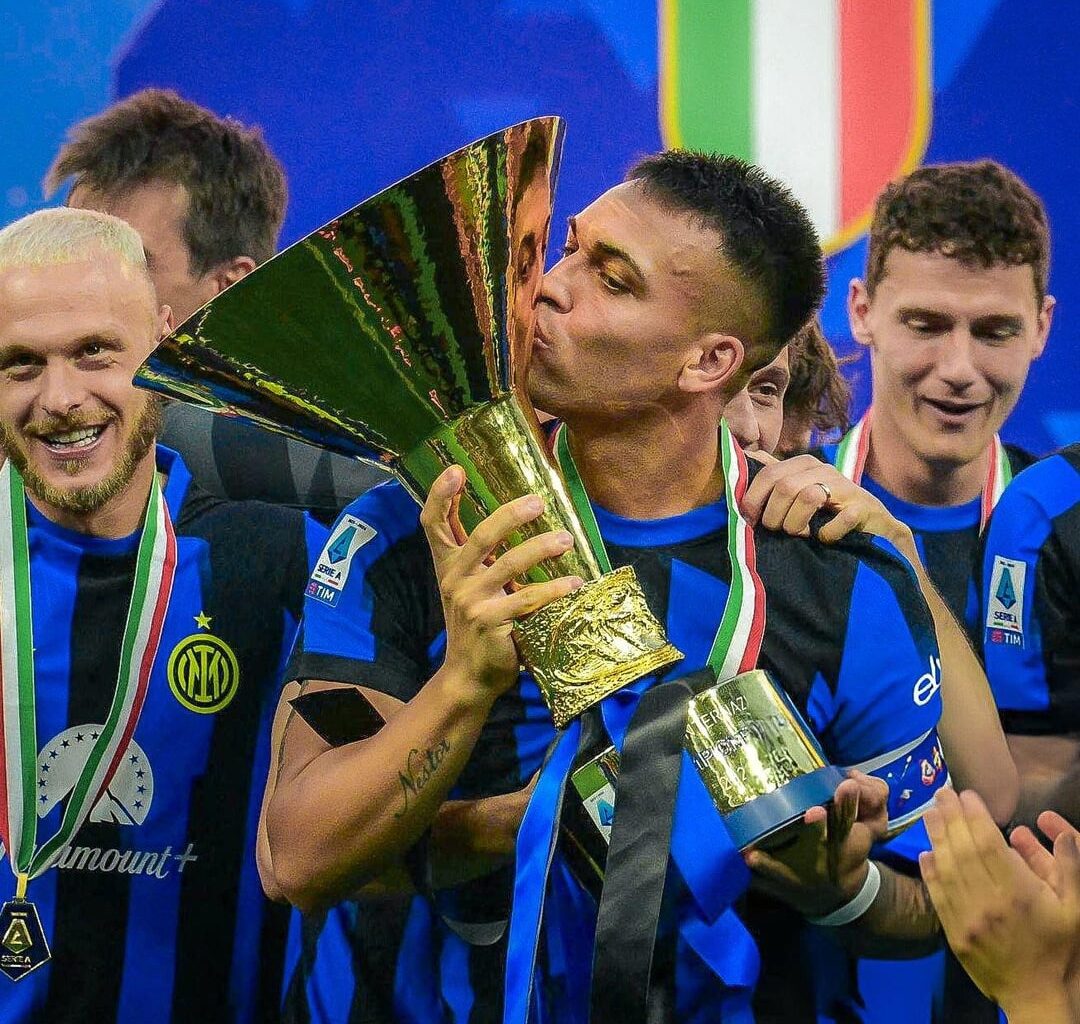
x=23 y=944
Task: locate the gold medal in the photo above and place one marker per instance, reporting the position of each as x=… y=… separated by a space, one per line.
x=23 y=946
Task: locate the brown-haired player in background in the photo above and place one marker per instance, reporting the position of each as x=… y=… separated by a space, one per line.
x=207 y=197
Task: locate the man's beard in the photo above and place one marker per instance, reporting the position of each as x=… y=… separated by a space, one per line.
x=83 y=500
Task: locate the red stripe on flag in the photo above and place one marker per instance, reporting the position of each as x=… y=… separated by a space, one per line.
x=864 y=447
x=757 y=625
x=879 y=98
x=989 y=487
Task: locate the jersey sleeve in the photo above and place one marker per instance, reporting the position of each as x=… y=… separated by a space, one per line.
x=368 y=609
x=1030 y=619
x=881 y=717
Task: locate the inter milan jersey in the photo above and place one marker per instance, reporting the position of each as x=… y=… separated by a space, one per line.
x=948 y=543
x=154 y=911
x=374 y=618
x=1030 y=621
x=947 y=539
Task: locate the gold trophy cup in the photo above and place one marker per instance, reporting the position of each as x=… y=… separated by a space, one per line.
x=757 y=757
x=399 y=333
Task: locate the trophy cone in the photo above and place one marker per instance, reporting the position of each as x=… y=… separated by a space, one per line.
x=399 y=333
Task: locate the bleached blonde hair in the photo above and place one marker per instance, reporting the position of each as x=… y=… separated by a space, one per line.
x=52 y=237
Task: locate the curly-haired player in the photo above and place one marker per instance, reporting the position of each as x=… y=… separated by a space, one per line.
x=953 y=310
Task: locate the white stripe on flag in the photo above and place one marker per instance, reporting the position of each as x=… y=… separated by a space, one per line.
x=795 y=100
x=141 y=641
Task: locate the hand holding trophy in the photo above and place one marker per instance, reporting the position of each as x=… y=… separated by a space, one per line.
x=399 y=334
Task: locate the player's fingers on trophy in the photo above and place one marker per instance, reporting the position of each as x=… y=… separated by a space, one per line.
x=873 y=807
x=435 y=516
x=519 y=559
x=494 y=531
x=533 y=597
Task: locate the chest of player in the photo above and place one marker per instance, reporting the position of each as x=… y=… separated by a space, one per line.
x=208 y=696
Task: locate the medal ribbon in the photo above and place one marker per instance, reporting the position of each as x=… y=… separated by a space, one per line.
x=738 y=640
x=853 y=448
x=154 y=571
x=735 y=649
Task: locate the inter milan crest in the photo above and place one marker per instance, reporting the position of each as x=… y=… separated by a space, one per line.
x=203 y=672
x=23 y=946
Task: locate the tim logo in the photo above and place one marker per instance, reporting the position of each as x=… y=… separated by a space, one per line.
x=928 y=683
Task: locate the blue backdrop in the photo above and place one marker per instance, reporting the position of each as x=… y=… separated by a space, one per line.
x=353 y=95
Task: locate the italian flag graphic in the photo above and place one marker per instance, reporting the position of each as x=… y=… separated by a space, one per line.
x=830 y=96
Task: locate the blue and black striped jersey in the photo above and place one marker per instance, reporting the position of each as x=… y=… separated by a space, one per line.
x=948 y=542
x=1030 y=614
x=154 y=912
x=847 y=633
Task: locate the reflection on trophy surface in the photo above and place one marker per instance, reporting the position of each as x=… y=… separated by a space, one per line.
x=399 y=333
x=758 y=759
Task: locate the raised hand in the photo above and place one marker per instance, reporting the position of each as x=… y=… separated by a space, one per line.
x=480 y=601
x=1011 y=915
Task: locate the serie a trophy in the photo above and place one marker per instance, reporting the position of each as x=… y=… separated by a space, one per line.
x=399 y=334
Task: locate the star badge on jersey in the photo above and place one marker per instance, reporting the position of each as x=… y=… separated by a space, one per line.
x=202 y=670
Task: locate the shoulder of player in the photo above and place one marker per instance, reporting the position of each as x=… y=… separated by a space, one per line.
x=243 y=522
x=1040 y=494
x=853 y=550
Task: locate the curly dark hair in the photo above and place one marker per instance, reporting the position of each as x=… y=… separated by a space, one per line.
x=235 y=185
x=979 y=213
x=818 y=393
x=765 y=233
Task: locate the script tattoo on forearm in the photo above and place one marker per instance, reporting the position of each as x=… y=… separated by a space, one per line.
x=420 y=769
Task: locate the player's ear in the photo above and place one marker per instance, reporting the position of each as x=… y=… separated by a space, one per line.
x=715 y=361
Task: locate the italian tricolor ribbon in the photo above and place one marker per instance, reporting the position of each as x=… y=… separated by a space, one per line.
x=854 y=447
x=154 y=571
x=738 y=640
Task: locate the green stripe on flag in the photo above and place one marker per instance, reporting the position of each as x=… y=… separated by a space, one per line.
x=580 y=499
x=25 y=655
x=708 y=61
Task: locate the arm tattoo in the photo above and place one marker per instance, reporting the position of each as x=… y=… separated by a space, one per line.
x=420 y=768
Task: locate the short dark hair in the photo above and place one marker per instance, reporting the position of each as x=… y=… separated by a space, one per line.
x=979 y=213
x=765 y=233
x=818 y=393
x=235 y=185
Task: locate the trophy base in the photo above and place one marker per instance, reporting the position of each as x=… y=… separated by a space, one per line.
x=764 y=817
x=593 y=642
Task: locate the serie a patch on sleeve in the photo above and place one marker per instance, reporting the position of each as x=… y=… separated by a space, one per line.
x=1005 y=607
x=331 y=571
